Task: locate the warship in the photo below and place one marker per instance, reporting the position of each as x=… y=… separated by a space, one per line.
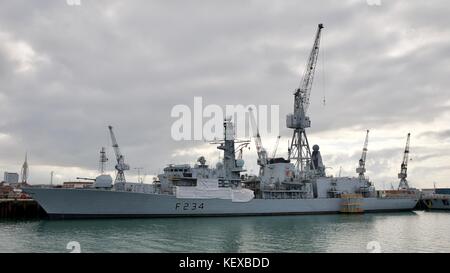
x=435 y=199
x=199 y=190
x=294 y=185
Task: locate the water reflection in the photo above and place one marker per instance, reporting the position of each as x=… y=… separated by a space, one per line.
x=395 y=232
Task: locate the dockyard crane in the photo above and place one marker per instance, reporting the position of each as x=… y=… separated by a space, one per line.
x=299 y=149
x=362 y=161
x=121 y=166
x=403 y=185
x=262 y=153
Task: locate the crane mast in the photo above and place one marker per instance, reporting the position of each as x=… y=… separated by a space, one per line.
x=403 y=185
x=362 y=161
x=299 y=149
x=121 y=166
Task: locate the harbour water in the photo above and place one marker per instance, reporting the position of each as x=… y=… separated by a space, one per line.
x=419 y=231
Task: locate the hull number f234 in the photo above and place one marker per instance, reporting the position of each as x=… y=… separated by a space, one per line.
x=188 y=206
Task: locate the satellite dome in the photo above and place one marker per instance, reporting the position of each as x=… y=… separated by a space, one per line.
x=315 y=147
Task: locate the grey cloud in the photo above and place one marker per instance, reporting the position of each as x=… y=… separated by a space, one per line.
x=128 y=63
x=438 y=135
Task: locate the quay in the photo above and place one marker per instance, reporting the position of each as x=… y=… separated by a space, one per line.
x=20 y=208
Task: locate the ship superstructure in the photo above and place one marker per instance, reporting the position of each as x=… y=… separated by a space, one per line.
x=227 y=172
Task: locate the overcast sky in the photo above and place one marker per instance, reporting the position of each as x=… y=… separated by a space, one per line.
x=67 y=72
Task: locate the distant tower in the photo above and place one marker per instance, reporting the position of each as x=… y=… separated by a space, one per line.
x=24 y=172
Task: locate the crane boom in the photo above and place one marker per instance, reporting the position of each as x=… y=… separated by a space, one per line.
x=240 y=149
x=114 y=143
x=362 y=161
x=404 y=166
x=103 y=159
x=303 y=93
x=274 y=153
x=262 y=153
x=121 y=166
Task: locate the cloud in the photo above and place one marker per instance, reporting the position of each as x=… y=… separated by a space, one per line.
x=439 y=135
x=67 y=72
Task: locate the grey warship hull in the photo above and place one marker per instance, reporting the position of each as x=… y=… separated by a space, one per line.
x=93 y=203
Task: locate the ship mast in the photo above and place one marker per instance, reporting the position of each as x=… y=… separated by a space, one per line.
x=232 y=167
